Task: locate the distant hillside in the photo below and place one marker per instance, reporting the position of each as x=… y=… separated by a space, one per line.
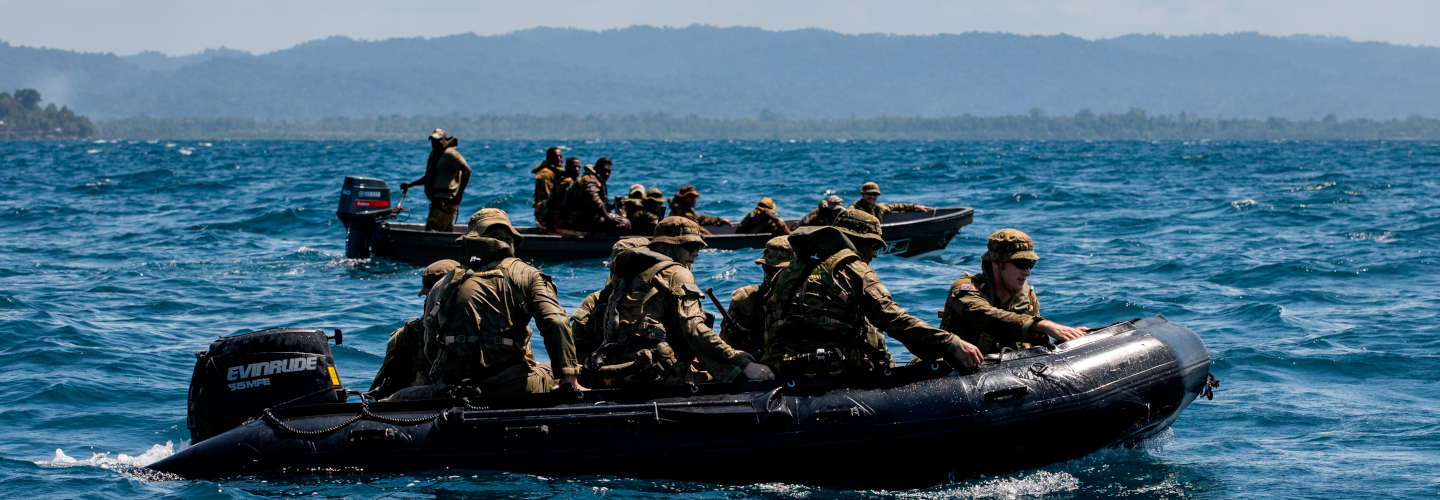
x=21 y=117
x=737 y=72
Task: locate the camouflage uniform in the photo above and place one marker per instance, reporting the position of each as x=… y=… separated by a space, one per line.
x=681 y=209
x=747 y=304
x=443 y=176
x=406 y=362
x=655 y=331
x=973 y=311
x=547 y=177
x=825 y=214
x=763 y=219
x=878 y=210
x=586 y=323
x=652 y=211
x=829 y=299
x=553 y=210
x=587 y=202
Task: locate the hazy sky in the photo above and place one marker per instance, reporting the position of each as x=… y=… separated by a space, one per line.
x=182 y=27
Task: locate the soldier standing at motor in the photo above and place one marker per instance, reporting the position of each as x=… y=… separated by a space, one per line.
x=479 y=320
x=406 y=363
x=763 y=219
x=446 y=175
x=747 y=304
x=998 y=308
x=828 y=308
x=588 y=203
x=655 y=331
x=547 y=175
x=683 y=205
x=870 y=192
x=824 y=214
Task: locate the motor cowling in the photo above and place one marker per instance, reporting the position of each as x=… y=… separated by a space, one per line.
x=364 y=202
x=242 y=375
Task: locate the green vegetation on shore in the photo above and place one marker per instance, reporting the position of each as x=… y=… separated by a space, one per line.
x=21 y=117
x=1134 y=125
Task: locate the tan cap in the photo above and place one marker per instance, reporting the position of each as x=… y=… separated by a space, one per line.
x=1009 y=244
x=832 y=203
x=777 y=252
x=655 y=193
x=637 y=190
x=766 y=203
x=859 y=224
x=687 y=190
x=870 y=187
x=482 y=219
x=433 y=272
x=438 y=134
x=625 y=244
x=678 y=231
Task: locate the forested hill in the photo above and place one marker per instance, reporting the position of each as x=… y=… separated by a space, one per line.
x=736 y=72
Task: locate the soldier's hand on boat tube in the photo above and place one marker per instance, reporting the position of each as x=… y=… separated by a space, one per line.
x=1060 y=332
x=968 y=355
x=924 y=208
x=573 y=382
x=757 y=371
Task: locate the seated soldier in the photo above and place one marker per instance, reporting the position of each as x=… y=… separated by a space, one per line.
x=585 y=324
x=827 y=309
x=406 y=363
x=655 y=331
x=683 y=205
x=589 y=204
x=997 y=309
x=824 y=214
x=747 y=304
x=554 y=209
x=479 y=320
x=652 y=211
x=763 y=219
x=870 y=192
x=547 y=176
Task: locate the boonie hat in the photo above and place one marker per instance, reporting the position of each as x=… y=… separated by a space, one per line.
x=832 y=203
x=687 y=190
x=766 y=203
x=655 y=193
x=870 y=187
x=637 y=191
x=678 y=231
x=434 y=272
x=482 y=219
x=1009 y=244
x=623 y=245
x=777 y=252
x=860 y=225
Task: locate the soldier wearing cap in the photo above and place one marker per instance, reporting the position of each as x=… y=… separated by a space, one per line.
x=446 y=175
x=547 y=176
x=870 y=192
x=655 y=331
x=747 y=304
x=588 y=203
x=828 y=308
x=763 y=219
x=683 y=205
x=406 y=363
x=824 y=214
x=584 y=323
x=478 y=323
x=997 y=308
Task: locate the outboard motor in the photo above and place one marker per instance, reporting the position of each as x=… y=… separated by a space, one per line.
x=242 y=375
x=364 y=202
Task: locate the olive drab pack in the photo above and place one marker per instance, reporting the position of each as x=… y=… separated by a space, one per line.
x=636 y=348
x=806 y=308
x=500 y=344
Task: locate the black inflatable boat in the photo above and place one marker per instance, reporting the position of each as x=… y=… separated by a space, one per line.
x=367 y=214
x=908 y=426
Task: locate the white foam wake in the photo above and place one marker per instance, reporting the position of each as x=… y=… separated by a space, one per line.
x=103 y=460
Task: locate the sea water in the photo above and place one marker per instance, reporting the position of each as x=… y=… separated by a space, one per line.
x=1308 y=268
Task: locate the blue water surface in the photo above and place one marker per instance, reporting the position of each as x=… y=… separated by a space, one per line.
x=1308 y=268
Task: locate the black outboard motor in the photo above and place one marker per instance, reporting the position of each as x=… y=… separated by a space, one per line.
x=364 y=202
x=242 y=375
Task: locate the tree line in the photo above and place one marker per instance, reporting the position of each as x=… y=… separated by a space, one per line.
x=21 y=117
x=1084 y=125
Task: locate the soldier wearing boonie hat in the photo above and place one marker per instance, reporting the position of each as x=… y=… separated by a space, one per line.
x=446 y=175
x=998 y=309
x=683 y=205
x=763 y=219
x=747 y=303
x=824 y=214
x=406 y=364
x=870 y=192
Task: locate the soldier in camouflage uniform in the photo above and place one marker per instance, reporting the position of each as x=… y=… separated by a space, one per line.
x=547 y=176
x=747 y=304
x=683 y=205
x=652 y=210
x=554 y=210
x=588 y=203
x=446 y=175
x=479 y=316
x=824 y=214
x=997 y=308
x=655 y=331
x=763 y=219
x=406 y=363
x=585 y=324
x=870 y=192
x=828 y=308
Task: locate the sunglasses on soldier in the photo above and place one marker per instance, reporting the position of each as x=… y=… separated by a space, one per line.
x=1022 y=264
x=692 y=247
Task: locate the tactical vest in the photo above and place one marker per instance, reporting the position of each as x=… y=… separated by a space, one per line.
x=984 y=340
x=806 y=309
x=636 y=350
x=497 y=346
